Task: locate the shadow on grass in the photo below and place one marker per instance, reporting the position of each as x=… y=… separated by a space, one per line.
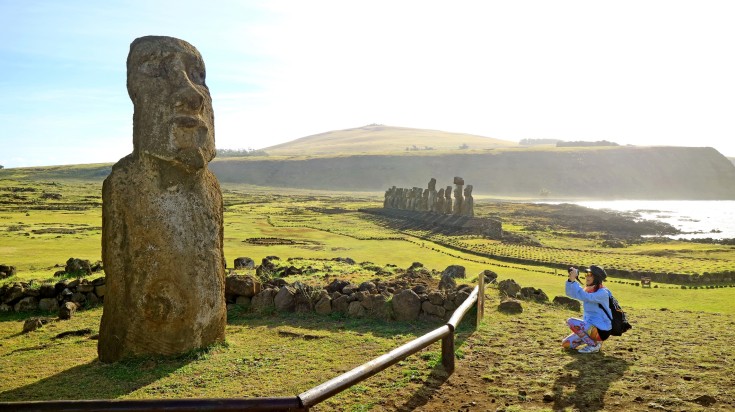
x=594 y=375
x=97 y=380
x=332 y=323
x=438 y=374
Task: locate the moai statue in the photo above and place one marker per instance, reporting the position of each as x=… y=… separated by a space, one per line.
x=439 y=206
x=162 y=231
x=431 y=200
x=458 y=183
x=448 y=200
x=418 y=194
x=468 y=205
x=386 y=198
x=425 y=201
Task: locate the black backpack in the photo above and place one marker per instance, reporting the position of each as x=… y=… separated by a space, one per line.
x=619 y=320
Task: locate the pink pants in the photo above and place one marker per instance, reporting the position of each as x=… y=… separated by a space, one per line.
x=582 y=334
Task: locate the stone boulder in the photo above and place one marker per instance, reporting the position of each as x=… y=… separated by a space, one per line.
x=47 y=291
x=241 y=285
x=67 y=310
x=341 y=304
x=244 y=263
x=454 y=271
x=267 y=269
x=536 y=295
x=14 y=293
x=415 y=266
x=346 y=260
x=292 y=270
x=406 y=305
x=32 y=324
x=26 y=304
x=48 y=304
x=285 y=299
x=6 y=271
x=447 y=283
x=367 y=287
x=509 y=287
x=356 y=310
x=377 y=306
x=432 y=309
x=461 y=296
x=336 y=286
x=569 y=303
x=264 y=301
x=323 y=306
x=490 y=276
x=511 y=306
x=78 y=267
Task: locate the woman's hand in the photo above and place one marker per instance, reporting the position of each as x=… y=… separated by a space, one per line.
x=573 y=274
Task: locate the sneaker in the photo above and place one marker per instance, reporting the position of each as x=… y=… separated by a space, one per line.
x=591 y=349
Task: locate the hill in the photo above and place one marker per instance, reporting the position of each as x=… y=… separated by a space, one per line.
x=383 y=139
x=609 y=172
x=374 y=158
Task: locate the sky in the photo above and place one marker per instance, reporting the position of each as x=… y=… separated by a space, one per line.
x=632 y=72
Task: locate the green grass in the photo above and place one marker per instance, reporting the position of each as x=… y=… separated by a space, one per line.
x=679 y=348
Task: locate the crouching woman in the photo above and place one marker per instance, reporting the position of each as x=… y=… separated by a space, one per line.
x=594 y=327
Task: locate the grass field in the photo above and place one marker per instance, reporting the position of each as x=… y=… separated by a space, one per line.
x=511 y=362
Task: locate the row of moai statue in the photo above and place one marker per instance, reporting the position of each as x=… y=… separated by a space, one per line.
x=429 y=200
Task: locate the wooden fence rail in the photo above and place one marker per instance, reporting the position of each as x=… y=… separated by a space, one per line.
x=302 y=402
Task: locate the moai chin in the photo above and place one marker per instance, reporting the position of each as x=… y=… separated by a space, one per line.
x=162 y=231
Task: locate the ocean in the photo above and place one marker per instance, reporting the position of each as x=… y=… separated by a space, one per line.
x=694 y=218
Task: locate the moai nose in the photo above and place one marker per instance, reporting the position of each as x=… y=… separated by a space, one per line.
x=189 y=99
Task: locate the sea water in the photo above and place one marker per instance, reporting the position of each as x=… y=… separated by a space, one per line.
x=694 y=218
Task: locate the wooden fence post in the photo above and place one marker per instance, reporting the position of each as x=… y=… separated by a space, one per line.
x=448 y=352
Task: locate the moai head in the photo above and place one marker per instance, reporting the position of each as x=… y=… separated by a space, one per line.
x=173 y=118
x=468 y=191
x=448 y=192
x=432 y=184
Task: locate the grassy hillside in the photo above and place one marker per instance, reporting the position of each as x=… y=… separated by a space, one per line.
x=384 y=139
x=609 y=173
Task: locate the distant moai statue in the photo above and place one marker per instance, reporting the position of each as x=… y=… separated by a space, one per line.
x=448 y=200
x=431 y=200
x=418 y=194
x=458 y=183
x=387 y=197
x=468 y=205
x=439 y=206
x=425 y=201
x=162 y=231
